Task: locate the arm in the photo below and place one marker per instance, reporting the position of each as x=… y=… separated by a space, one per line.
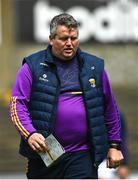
x=112 y=121
x=19 y=112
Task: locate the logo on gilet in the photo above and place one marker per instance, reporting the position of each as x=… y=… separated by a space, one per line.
x=43 y=78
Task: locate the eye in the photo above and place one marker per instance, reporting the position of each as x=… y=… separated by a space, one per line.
x=73 y=38
x=63 y=38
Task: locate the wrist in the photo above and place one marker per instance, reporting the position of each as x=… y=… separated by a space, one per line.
x=30 y=135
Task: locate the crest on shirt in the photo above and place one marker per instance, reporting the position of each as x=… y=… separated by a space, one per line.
x=92 y=82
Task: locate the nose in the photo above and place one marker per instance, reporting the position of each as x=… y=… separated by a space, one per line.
x=68 y=42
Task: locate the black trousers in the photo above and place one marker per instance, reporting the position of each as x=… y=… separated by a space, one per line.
x=77 y=165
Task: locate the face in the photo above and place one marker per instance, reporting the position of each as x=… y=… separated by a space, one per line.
x=65 y=43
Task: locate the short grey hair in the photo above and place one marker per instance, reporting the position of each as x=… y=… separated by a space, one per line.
x=62 y=19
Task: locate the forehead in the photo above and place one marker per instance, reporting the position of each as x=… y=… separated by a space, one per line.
x=63 y=30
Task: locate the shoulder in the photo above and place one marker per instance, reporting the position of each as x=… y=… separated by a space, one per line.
x=92 y=60
x=91 y=57
x=35 y=57
x=34 y=60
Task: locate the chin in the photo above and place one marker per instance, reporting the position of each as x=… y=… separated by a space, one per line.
x=68 y=56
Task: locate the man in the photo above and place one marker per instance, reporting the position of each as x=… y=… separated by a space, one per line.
x=65 y=92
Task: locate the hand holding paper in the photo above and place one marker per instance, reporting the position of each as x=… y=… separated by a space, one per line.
x=54 y=152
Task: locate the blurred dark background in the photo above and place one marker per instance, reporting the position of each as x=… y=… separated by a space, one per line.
x=112 y=35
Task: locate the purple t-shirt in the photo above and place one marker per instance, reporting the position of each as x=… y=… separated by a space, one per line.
x=71 y=128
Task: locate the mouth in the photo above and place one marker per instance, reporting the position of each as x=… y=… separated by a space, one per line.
x=68 y=50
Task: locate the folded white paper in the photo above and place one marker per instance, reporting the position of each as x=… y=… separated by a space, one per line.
x=55 y=150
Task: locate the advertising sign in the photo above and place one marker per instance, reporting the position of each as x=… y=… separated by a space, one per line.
x=100 y=20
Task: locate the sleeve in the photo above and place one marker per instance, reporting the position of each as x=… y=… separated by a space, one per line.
x=112 y=118
x=19 y=102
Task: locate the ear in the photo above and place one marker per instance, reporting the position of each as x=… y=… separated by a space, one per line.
x=50 y=41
